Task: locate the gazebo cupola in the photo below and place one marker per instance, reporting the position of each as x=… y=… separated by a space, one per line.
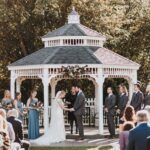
x=73 y=17
x=73 y=34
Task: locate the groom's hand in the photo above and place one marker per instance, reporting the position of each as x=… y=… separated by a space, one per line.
x=72 y=109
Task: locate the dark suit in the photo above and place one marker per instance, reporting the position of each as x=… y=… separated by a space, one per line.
x=148 y=143
x=147 y=100
x=123 y=99
x=79 y=107
x=71 y=117
x=110 y=103
x=137 y=99
x=17 y=126
x=138 y=137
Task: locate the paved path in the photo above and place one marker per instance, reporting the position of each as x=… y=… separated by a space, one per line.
x=92 y=139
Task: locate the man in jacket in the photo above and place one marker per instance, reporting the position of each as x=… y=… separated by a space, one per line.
x=79 y=110
x=138 y=136
x=110 y=103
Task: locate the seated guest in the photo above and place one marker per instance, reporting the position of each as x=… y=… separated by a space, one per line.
x=4 y=137
x=148 y=109
x=123 y=136
x=147 y=97
x=138 y=136
x=17 y=125
x=129 y=115
x=10 y=129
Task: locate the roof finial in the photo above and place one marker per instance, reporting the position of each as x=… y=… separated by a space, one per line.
x=73 y=8
x=73 y=16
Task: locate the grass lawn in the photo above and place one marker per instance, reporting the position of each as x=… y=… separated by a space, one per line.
x=71 y=148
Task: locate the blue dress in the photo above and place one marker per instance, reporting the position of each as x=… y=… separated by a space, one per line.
x=33 y=120
x=20 y=107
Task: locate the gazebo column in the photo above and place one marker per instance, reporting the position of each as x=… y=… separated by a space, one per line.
x=12 y=84
x=100 y=81
x=45 y=80
x=18 y=85
x=53 y=88
x=96 y=105
x=132 y=81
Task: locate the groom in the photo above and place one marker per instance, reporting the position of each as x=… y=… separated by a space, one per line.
x=79 y=108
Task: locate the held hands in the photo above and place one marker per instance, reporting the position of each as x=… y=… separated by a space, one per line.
x=106 y=110
x=72 y=109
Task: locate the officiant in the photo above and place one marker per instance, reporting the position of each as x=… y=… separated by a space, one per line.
x=70 y=100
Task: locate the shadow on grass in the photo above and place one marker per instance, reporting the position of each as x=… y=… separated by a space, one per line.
x=71 y=148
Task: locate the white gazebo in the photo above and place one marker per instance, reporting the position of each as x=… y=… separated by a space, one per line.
x=71 y=45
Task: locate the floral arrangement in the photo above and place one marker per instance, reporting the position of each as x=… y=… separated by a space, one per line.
x=38 y=106
x=73 y=71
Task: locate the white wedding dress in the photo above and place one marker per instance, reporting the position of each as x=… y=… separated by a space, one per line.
x=56 y=132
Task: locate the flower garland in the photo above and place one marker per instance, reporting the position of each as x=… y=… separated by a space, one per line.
x=73 y=71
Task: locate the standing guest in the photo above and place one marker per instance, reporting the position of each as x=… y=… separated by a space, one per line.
x=33 y=119
x=137 y=97
x=123 y=100
x=79 y=110
x=110 y=103
x=70 y=99
x=18 y=105
x=7 y=102
x=17 y=126
x=123 y=136
x=147 y=96
x=138 y=136
x=148 y=109
x=129 y=115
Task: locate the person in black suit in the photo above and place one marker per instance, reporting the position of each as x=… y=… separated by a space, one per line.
x=70 y=100
x=137 y=98
x=147 y=96
x=123 y=100
x=110 y=103
x=138 y=136
x=79 y=110
x=17 y=126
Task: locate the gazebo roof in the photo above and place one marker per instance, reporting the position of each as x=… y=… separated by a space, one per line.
x=74 y=55
x=60 y=55
x=73 y=30
x=82 y=47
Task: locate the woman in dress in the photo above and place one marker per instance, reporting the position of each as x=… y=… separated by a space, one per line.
x=129 y=115
x=33 y=116
x=18 y=105
x=7 y=102
x=56 y=132
x=123 y=100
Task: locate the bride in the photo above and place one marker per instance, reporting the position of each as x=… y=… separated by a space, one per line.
x=56 y=132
